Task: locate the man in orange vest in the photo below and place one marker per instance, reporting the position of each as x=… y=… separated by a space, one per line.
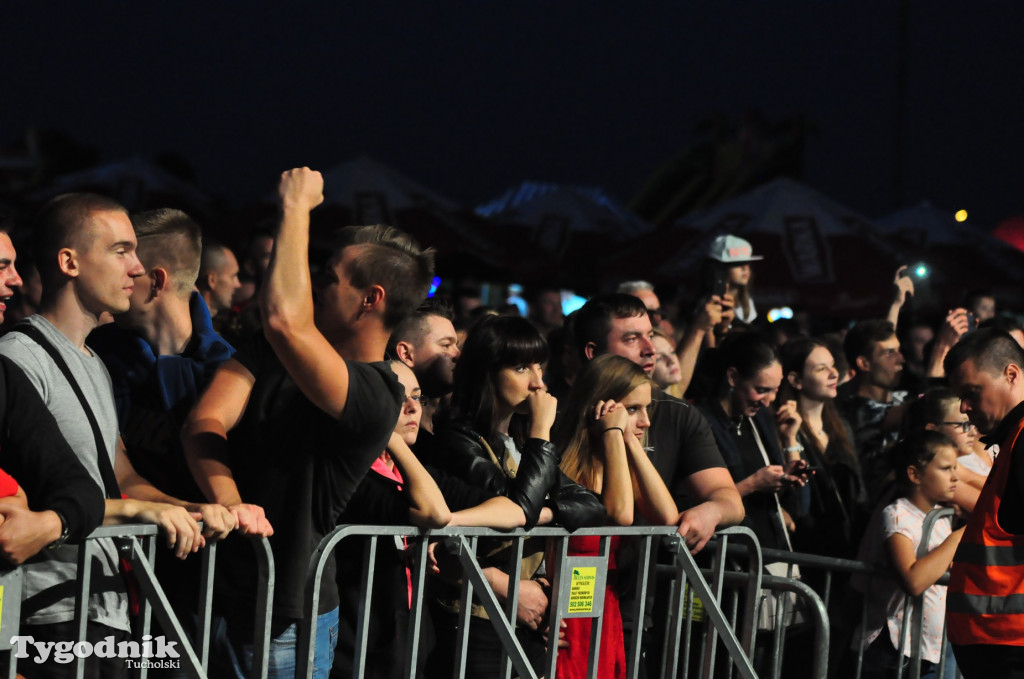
x=985 y=600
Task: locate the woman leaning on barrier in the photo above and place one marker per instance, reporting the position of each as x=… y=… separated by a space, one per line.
x=601 y=436
x=495 y=434
x=838 y=512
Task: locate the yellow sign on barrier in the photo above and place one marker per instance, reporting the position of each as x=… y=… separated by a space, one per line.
x=581 y=589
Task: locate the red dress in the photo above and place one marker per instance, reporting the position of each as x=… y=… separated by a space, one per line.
x=572 y=661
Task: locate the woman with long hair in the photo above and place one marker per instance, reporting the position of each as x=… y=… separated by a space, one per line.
x=602 y=433
x=837 y=495
x=495 y=434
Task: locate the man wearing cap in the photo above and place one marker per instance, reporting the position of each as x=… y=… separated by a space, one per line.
x=734 y=254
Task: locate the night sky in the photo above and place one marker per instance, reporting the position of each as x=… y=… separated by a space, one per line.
x=472 y=98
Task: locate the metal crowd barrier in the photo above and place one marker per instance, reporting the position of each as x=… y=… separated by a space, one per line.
x=137 y=546
x=462 y=542
x=912 y=605
x=730 y=590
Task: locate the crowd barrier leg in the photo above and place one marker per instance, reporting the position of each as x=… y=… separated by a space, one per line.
x=635 y=648
x=473 y=577
x=207 y=568
x=363 y=614
x=85 y=554
x=11 y=585
x=560 y=568
x=151 y=591
x=416 y=613
x=515 y=569
x=265 y=610
x=712 y=610
x=465 y=615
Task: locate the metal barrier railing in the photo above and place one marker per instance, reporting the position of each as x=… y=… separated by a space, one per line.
x=732 y=627
x=462 y=542
x=136 y=544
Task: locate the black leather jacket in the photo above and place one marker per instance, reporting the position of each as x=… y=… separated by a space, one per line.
x=538 y=482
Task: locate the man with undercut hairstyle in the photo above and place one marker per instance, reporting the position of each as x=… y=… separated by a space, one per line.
x=163 y=351
x=295 y=419
x=218 y=276
x=84 y=248
x=985 y=599
x=426 y=342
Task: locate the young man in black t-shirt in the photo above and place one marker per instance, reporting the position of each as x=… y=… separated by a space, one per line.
x=307 y=409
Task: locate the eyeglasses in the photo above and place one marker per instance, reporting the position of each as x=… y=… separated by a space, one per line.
x=964 y=426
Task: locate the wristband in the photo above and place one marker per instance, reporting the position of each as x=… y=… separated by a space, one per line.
x=64 y=532
x=793 y=449
x=619 y=429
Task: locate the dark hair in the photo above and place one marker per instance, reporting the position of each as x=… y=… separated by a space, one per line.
x=835 y=345
x=593 y=321
x=1003 y=322
x=863 y=337
x=171 y=239
x=391 y=259
x=495 y=342
x=916 y=450
x=61 y=223
x=747 y=352
x=990 y=349
x=793 y=355
x=414 y=327
x=928 y=408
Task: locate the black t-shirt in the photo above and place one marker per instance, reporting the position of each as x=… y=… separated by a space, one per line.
x=680 y=443
x=302 y=466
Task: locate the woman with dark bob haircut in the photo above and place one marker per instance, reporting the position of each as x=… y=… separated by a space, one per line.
x=496 y=434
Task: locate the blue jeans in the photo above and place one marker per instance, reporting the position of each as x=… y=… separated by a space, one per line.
x=283 y=650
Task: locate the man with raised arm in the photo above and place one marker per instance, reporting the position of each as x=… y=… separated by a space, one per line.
x=292 y=423
x=84 y=247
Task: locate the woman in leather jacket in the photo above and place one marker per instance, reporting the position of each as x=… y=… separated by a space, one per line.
x=496 y=434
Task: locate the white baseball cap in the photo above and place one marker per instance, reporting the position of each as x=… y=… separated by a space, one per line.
x=732 y=250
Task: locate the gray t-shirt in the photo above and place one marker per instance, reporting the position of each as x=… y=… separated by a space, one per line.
x=109 y=607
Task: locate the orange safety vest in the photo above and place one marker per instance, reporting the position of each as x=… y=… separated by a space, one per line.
x=985 y=599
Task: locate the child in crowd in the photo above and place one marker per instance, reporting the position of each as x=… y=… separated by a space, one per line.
x=926 y=466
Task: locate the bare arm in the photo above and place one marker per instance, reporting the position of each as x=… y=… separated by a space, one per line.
x=904 y=288
x=721 y=507
x=917 y=575
x=615 y=486
x=689 y=347
x=653 y=498
x=427 y=508
x=496 y=512
x=204 y=439
x=287 y=300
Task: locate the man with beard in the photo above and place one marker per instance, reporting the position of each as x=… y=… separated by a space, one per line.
x=426 y=342
x=869 y=403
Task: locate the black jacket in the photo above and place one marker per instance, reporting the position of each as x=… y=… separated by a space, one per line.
x=538 y=482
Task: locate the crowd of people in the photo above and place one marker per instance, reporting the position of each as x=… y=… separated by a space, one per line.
x=150 y=375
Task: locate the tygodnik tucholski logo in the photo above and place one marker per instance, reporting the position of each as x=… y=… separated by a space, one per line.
x=153 y=652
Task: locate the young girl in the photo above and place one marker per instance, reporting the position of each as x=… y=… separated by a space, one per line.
x=601 y=435
x=926 y=466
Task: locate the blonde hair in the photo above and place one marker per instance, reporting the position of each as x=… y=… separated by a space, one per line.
x=605 y=377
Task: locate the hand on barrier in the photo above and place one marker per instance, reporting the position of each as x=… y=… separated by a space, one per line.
x=218 y=521
x=432 y=557
x=562 y=641
x=697 y=525
x=301 y=188
x=181 y=526
x=532 y=604
x=251 y=520
x=23 y=533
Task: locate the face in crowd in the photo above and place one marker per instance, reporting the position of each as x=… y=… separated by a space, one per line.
x=750 y=395
x=819 y=380
x=666 y=367
x=435 y=356
x=225 y=282
x=637 y=405
x=514 y=384
x=9 y=278
x=633 y=338
x=107 y=264
x=885 y=366
x=408 y=426
x=985 y=397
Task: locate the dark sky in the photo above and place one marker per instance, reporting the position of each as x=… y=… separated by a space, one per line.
x=471 y=98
